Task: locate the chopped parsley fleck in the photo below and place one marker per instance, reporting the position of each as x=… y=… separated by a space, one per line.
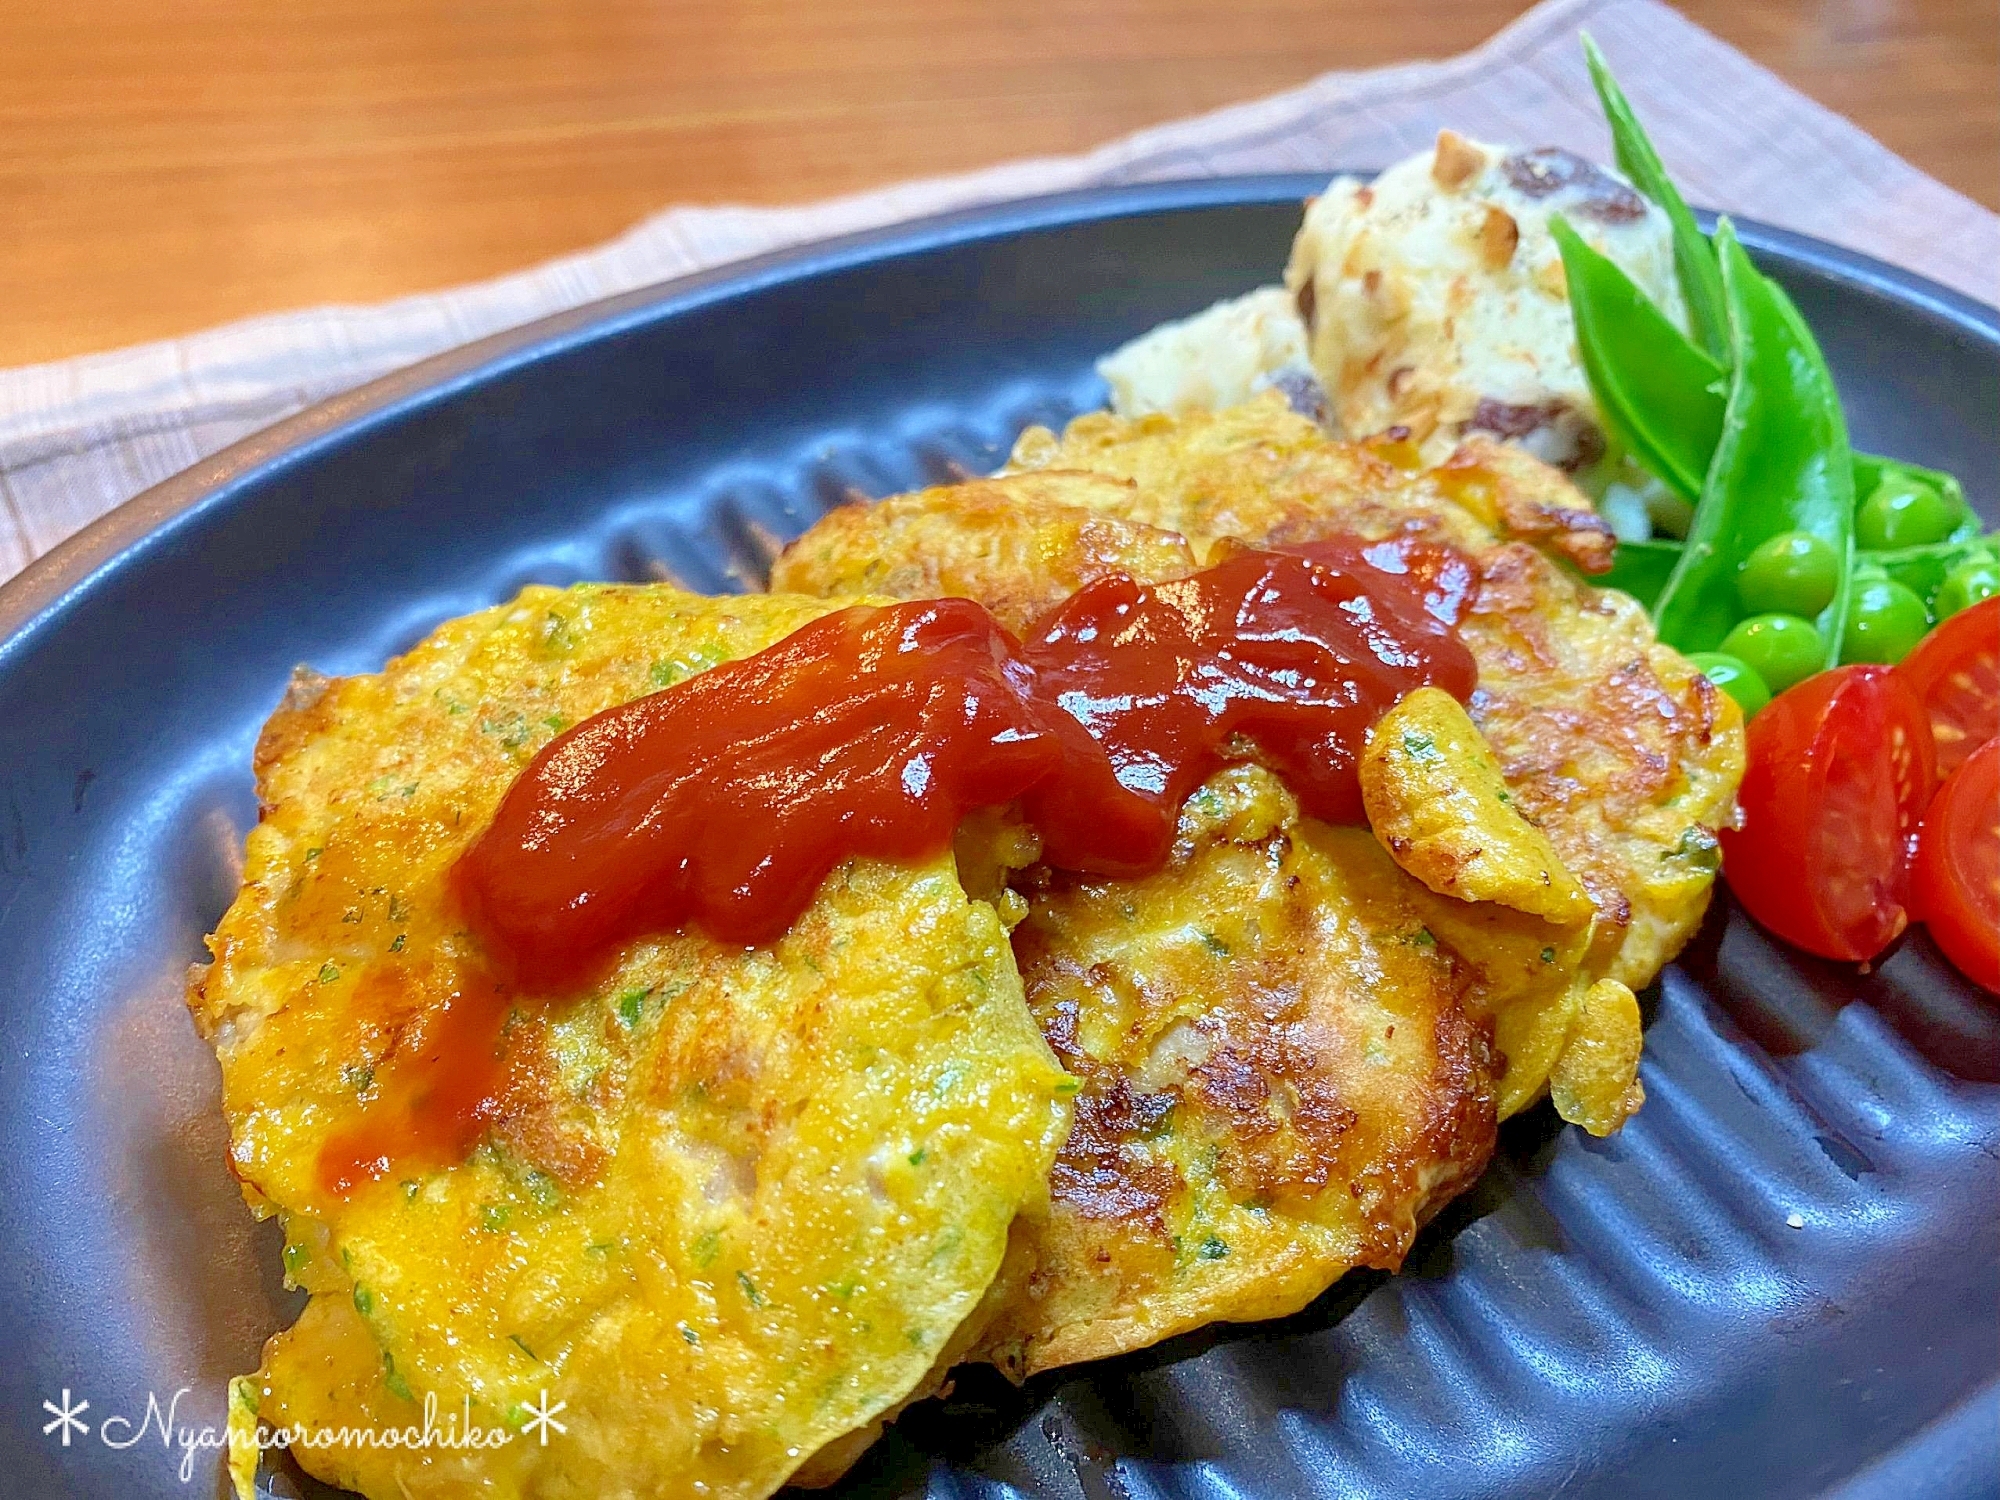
x=296 y=1256
x=516 y=1340
x=314 y=853
x=397 y=945
x=364 y=1300
x=510 y=729
x=1699 y=848
x=947 y=1244
x=632 y=1005
x=1548 y=955
x=688 y=1333
x=358 y=1076
x=1214 y=944
x=543 y=1188
x=493 y=1216
x=396 y=1384
x=750 y=1292
x=399 y=909
x=670 y=670
x=1212 y=1249
x=1422 y=938
x=557 y=637
x=706 y=1247
x=917 y=1157
x=328 y=972
x=1420 y=746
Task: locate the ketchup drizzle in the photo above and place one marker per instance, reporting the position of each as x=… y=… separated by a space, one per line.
x=726 y=799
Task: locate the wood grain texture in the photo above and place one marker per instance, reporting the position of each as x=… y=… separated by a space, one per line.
x=165 y=167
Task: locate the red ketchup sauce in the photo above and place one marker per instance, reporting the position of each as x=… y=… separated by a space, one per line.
x=726 y=799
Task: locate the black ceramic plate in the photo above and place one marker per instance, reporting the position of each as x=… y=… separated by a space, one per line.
x=1780 y=1280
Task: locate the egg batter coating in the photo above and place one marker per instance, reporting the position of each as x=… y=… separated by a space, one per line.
x=1020 y=546
x=1279 y=1083
x=729 y=1205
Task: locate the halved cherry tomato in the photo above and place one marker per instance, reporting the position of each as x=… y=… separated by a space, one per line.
x=1840 y=770
x=1956 y=671
x=1956 y=880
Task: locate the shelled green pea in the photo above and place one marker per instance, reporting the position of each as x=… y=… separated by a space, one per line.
x=1903 y=511
x=1884 y=622
x=1735 y=677
x=1792 y=573
x=1967 y=584
x=1782 y=649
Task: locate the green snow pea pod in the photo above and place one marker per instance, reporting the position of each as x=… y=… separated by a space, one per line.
x=1694 y=258
x=1662 y=399
x=1923 y=570
x=1783 y=464
x=1700 y=276
x=1657 y=395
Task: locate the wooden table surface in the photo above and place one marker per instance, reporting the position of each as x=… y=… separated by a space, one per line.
x=168 y=166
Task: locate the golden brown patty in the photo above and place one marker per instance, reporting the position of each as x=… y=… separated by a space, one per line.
x=733 y=1204
x=1231 y=1157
